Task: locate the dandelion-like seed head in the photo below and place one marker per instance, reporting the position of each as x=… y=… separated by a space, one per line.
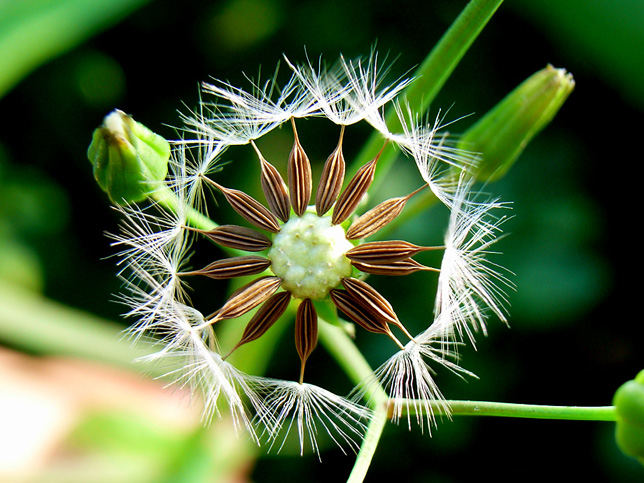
x=301 y=244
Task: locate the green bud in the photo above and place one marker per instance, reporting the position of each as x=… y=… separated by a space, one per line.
x=502 y=134
x=129 y=160
x=629 y=405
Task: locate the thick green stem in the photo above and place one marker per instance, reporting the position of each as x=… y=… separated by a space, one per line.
x=338 y=343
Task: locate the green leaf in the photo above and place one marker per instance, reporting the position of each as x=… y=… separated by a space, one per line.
x=34 y=31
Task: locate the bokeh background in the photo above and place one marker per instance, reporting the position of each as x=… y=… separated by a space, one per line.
x=575 y=334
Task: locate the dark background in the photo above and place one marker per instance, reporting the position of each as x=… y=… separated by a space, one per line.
x=574 y=334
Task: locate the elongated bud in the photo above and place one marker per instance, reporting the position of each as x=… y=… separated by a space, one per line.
x=502 y=134
x=129 y=160
x=629 y=404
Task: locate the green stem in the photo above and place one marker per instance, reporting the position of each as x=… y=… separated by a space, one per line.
x=338 y=343
x=431 y=75
x=510 y=410
x=166 y=198
x=369 y=446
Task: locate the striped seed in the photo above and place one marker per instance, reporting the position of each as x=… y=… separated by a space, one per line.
x=247 y=298
x=249 y=208
x=355 y=191
x=299 y=176
x=306 y=332
x=239 y=237
x=373 y=302
x=274 y=188
x=400 y=267
x=331 y=179
x=233 y=267
x=378 y=216
x=360 y=315
x=264 y=318
x=380 y=252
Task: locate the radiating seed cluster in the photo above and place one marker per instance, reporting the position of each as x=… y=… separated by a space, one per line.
x=311 y=256
x=307 y=248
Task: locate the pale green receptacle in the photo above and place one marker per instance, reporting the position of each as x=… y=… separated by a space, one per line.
x=308 y=255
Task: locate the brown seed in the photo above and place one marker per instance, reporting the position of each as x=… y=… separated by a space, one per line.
x=370 y=299
x=233 y=267
x=400 y=267
x=380 y=252
x=274 y=189
x=299 y=176
x=355 y=191
x=331 y=179
x=373 y=302
x=247 y=298
x=344 y=301
x=249 y=208
x=378 y=216
x=238 y=237
x=306 y=332
x=264 y=318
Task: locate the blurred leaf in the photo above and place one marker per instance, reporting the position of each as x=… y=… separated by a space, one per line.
x=36 y=323
x=34 y=31
x=19 y=265
x=123 y=432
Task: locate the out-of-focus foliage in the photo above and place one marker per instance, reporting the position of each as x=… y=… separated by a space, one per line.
x=569 y=342
x=33 y=31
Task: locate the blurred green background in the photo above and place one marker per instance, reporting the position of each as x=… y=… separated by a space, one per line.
x=64 y=65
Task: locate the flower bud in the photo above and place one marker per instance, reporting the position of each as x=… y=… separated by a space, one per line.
x=502 y=134
x=129 y=160
x=629 y=405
